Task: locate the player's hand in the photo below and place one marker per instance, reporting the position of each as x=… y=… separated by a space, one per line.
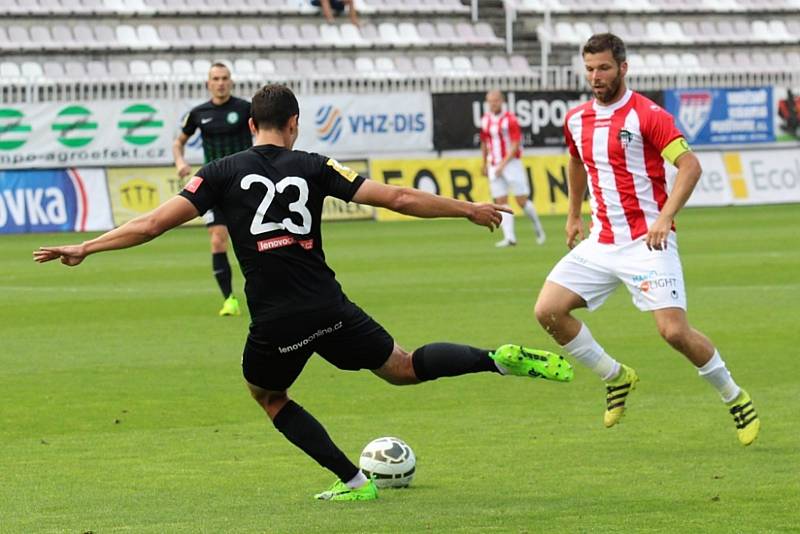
x=499 y=169
x=184 y=170
x=574 y=230
x=484 y=169
x=489 y=215
x=70 y=255
x=657 y=234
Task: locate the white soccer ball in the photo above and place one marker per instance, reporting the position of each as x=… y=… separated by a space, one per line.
x=390 y=461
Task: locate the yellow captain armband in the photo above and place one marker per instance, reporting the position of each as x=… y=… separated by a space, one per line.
x=675 y=149
x=346 y=172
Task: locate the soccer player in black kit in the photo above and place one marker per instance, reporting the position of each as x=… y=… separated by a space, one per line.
x=225 y=131
x=272 y=198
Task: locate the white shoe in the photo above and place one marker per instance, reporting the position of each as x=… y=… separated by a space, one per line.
x=540 y=238
x=505 y=243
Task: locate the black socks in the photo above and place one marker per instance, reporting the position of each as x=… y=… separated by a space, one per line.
x=436 y=360
x=308 y=434
x=222 y=272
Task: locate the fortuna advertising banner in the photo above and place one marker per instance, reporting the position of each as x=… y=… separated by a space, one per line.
x=350 y=125
x=62 y=134
x=723 y=116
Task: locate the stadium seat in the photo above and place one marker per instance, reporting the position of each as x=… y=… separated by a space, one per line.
x=423 y=64
x=389 y=34
x=500 y=64
x=481 y=64
x=118 y=70
x=229 y=34
x=285 y=67
x=127 y=38
x=364 y=66
x=41 y=38
x=200 y=67
x=18 y=35
x=188 y=37
x=409 y=36
x=168 y=34
x=97 y=70
x=519 y=64
x=148 y=38
x=63 y=38
x=404 y=66
x=351 y=35
x=324 y=35
x=264 y=68
x=385 y=66
x=161 y=69
x=442 y=65
x=31 y=70
x=9 y=71
x=209 y=36
x=290 y=36
x=139 y=68
x=344 y=65
x=248 y=33
x=427 y=33
x=182 y=69
x=446 y=32
x=305 y=67
x=324 y=67
x=54 y=70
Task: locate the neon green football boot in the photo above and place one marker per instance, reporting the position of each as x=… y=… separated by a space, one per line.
x=340 y=492
x=746 y=419
x=230 y=307
x=617 y=393
x=521 y=361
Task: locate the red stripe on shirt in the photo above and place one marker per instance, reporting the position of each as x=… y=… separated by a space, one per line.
x=623 y=177
x=587 y=137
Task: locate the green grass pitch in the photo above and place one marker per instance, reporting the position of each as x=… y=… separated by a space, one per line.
x=122 y=408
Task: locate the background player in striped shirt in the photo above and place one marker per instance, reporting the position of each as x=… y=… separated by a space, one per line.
x=501 y=148
x=223 y=124
x=618 y=143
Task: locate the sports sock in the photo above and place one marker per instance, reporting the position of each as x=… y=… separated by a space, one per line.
x=357 y=481
x=715 y=372
x=222 y=272
x=310 y=436
x=507 y=226
x=589 y=352
x=437 y=360
x=530 y=211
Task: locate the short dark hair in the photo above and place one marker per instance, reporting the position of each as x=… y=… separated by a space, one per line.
x=272 y=107
x=219 y=65
x=600 y=42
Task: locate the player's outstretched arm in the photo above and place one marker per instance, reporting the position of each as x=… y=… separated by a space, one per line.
x=170 y=214
x=418 y=203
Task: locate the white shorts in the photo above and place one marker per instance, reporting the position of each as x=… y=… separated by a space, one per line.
x=513 y=179
x=654 y=278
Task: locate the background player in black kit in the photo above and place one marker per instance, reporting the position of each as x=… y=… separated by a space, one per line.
x=225 y=131
x=272 y=198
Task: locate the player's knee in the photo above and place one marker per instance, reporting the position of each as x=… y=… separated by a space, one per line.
x=399 y=368
x=270 y=401
x=546 y=314
x=673 y=333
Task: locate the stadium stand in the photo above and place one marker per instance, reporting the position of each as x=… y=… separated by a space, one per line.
x=56 y=45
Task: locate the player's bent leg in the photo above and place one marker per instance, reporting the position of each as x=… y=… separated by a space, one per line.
x=674 y=328
x=398 y=369
x=306 y=433
x=553 y=311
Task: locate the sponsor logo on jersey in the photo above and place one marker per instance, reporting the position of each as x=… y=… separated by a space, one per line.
x=694 y=111
x=283 y=241
x=346 y=172
x=206 y=120
x=625 y=138
x=232 y=118
x=193 y=184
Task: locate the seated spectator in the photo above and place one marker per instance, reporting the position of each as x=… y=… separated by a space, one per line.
x=329 y=6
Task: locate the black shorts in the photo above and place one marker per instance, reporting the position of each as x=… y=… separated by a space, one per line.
x=214 y=217
x=277 y=351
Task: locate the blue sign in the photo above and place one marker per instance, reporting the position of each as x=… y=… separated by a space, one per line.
x=722 y=116
x=42 y=201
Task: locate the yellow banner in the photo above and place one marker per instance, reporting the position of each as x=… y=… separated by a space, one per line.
x=461 y=178
x=137 y=190
x=335 y=210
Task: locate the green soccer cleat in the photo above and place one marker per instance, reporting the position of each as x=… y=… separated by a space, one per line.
x=340 y=492
x=746 y=419
x=617 y=393
x=230 y=307
x=520 y=361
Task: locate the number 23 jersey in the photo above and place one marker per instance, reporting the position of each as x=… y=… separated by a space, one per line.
x=272 y=198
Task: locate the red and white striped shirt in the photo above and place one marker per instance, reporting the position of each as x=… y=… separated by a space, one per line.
x=621 y=148
x=498 y=132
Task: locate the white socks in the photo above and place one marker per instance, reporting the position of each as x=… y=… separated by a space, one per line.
x=715 y=372
x=357 y=481
x=507 y=226
x=587 y=351
x=530 y=211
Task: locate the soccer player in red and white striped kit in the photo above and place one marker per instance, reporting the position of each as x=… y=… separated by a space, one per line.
x=618 y=143
x=501 y=148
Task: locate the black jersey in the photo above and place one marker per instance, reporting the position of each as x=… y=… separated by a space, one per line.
x=272 y=199
x=224 y=128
